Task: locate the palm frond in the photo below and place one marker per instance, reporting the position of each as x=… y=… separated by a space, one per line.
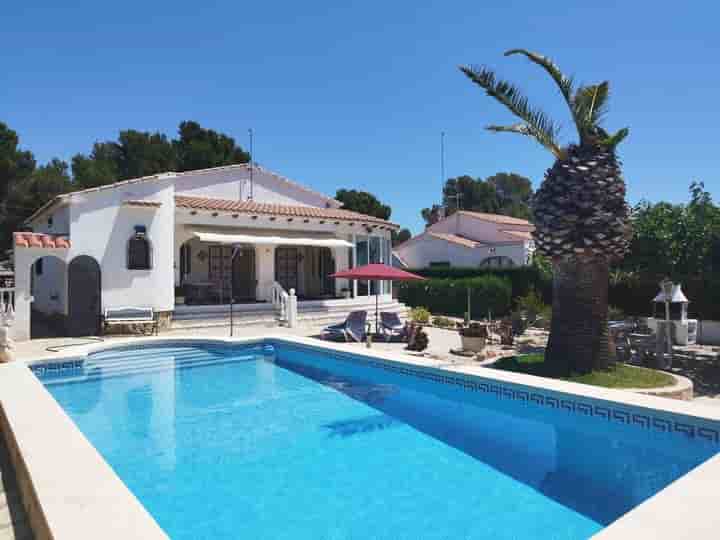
x=564 y=83
x=538 y=124
x=613 y=140
x=589 y=107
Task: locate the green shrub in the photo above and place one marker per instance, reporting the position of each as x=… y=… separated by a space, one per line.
x=449 y=296
x=531 y=305
x=443 y=322
x=615 y=314
x=420 y=315
x=522 y=279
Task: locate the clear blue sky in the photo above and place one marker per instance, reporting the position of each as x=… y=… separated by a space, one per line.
x=355 y=94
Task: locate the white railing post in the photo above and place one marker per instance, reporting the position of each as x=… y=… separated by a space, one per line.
x=7 y=318
x=280 y=300
x=292 y=309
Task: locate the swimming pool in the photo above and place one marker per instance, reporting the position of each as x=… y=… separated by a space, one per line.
x=280 y=440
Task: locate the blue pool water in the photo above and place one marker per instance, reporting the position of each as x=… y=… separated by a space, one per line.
x=227 y=443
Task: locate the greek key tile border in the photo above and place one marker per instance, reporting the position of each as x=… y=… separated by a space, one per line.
x=501 y=391
x=44 y=369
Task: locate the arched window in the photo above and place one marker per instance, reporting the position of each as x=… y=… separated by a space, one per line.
x=138 y=252
x=499 y=261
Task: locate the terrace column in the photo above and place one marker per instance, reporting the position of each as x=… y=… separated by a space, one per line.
x=342 y=262
x=265 y=271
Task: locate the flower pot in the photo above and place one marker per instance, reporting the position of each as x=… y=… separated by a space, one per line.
x=474 y=344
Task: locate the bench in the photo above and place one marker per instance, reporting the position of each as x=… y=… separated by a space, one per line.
x=131 y=315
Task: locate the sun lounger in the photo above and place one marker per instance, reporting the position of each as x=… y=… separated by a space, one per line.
x=353 y=327
x=391 y=326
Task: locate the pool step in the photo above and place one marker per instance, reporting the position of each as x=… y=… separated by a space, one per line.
x=117 y=363
x=88 y=372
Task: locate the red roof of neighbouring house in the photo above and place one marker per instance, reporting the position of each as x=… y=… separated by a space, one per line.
x=525 y=235
x=456 y=239
x=495 y=218
x=38 y=240
x=259 y=208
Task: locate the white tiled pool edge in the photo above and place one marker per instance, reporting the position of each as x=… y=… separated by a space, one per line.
x=68 y=490
x=97 y=503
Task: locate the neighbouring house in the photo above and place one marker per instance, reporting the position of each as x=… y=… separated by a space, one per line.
x=470 y=239
x=186 y=244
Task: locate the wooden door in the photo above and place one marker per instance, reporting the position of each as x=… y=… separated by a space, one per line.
x=84 y=297
x=244 y=281
x=286 y=267
x=220 y=272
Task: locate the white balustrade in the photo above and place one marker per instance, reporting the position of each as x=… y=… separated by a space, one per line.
x=284 y=303
x=7 y=318
x=7 y=306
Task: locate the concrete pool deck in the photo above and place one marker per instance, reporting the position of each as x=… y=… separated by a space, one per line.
x=83 y=498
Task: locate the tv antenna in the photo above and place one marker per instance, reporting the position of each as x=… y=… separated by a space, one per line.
x=442 y=159
x=252 y=164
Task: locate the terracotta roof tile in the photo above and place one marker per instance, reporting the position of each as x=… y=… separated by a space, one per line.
x=253 y=207
x=495 y=218
x=37 y=240
x=525 y=235
x=143 y=204
x=456 y=239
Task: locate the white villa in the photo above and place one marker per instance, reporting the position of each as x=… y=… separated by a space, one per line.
x=185 y=244
x=470 y=239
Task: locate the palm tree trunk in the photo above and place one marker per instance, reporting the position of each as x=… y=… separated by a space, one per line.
x=578 y=340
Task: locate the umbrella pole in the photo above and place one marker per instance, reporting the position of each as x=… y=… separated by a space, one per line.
x=377 y=322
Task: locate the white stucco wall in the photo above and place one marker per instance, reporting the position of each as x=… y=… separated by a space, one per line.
x=234 y=184
x=476 y=229
x=427 y=249
x=55 y=222
x=424 y=249
x=100 y=226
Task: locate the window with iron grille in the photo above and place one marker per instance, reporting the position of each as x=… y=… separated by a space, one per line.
x=138 y=253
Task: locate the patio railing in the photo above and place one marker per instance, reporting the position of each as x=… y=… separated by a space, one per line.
x=285 y=304
x=7 y=304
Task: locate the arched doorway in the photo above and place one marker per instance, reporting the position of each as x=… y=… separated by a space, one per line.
x=84 y=301
x=48 y=288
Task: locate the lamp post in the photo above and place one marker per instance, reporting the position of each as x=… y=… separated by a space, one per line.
x=666 y=286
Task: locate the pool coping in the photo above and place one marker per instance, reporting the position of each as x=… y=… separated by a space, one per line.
x=100 y=504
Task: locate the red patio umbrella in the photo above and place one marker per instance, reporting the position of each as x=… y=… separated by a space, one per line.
x=377 y=271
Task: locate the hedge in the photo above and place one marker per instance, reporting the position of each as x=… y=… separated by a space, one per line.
x=522 y=278
x=635 y=297
x=449 y=296
x=445 y=292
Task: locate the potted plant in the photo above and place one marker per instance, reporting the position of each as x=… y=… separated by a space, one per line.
x=473 y=336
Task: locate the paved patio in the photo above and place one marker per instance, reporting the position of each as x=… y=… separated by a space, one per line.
x=441 y=341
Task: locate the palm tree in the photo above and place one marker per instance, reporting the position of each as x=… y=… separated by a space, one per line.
x=581 y=218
